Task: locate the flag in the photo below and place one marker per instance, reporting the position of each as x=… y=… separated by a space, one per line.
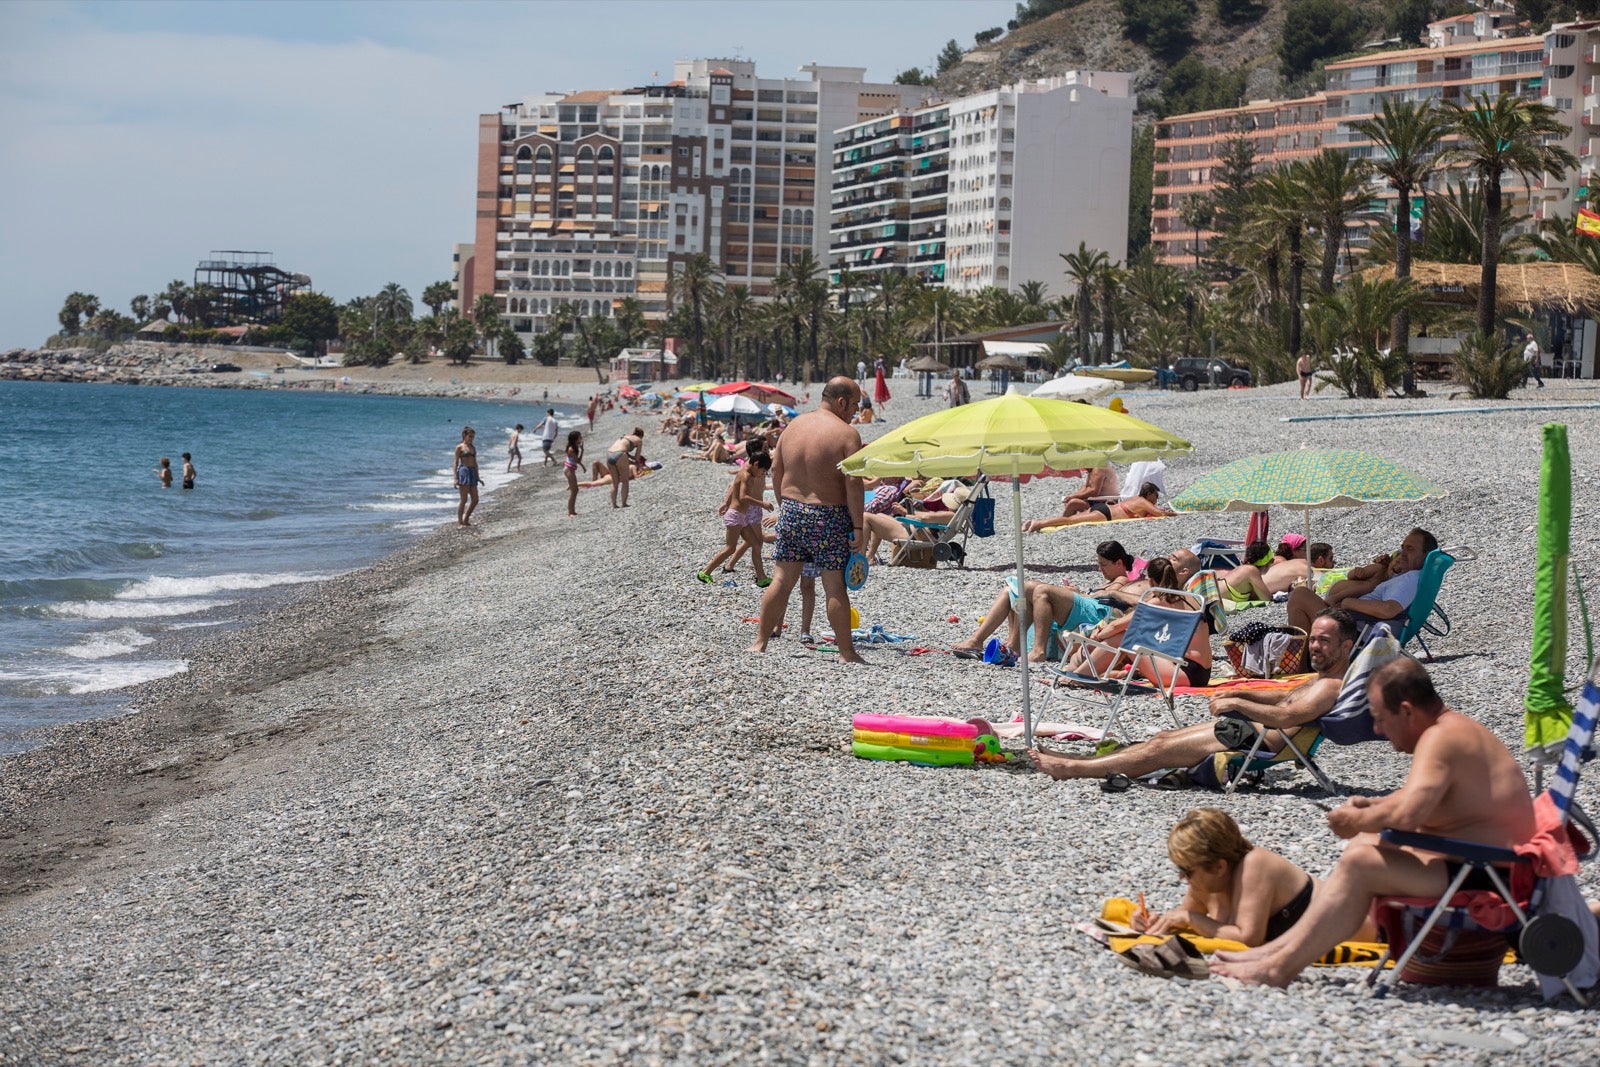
x=1588 y=222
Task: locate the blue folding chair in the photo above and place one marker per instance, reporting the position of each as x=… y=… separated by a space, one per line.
x=1157 y=635
x=1424 y=615
x=1553 y=930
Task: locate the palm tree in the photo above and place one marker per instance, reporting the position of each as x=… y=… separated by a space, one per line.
x=1336 y=192
x=176 y=297
x=1558 y=239
x=1497 y=135
x=1035 y=300
x=437 y=295
x=392 y=304
x=732 y=314
x=486 y=319
x=1197 y=212
x=692 y=283
x=1111 y=276
x=1409 y=133
x=202 y=301
x=140 y=306
x=1360 y=314
x=1083 y=267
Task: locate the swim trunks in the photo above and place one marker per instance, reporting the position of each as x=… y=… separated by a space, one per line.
x=188 y=483
x=813 y=533
x=466 y=477
x=1477 y=879
x=544 y=444
x=1086 y=611
x=1103 y=510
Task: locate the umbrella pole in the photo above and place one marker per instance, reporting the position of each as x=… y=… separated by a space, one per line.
x=1023 y=604
x=1311 y=575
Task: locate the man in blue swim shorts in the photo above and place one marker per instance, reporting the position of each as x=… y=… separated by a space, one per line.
x=819 y=512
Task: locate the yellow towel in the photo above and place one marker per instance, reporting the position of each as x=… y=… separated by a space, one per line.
x=1348 y=954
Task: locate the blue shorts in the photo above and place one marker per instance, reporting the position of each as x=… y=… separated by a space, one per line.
x=466 y=477
x=1086 y=611
x=813 y=533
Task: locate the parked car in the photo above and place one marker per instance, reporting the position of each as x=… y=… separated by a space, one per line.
x=225 y=368
x=1193 y=372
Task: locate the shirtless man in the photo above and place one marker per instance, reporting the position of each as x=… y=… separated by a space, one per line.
x=1143 y=506
x=819 y=511
x=1464 y=783
x=1302 y=367
x=1097 y=482
x=1333 y=636
x=1382 y=589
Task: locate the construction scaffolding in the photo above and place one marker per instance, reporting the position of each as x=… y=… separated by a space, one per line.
x=248 y=286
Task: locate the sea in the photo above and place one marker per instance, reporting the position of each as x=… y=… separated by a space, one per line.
x=99 y=563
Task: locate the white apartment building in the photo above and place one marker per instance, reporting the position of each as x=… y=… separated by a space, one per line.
x=988 y=189
x=589 y=198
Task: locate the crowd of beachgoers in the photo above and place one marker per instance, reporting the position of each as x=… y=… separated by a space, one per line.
x=524 y=792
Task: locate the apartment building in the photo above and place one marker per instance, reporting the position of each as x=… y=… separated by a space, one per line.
x=1571 y=85
x=589 y=198
x=933 y=192
x=1189 y=147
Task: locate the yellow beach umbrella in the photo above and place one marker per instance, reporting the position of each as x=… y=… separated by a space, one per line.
x=1012 y=436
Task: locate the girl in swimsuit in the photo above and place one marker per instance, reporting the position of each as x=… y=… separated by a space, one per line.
x=1237 y=891
x=572 y=465
x=464 y=468
x=742 y=511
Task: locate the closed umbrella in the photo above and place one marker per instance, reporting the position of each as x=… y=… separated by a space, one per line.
x=1549 y=714
x=1012 y=436
x=1304 y=481
x=1074 y=387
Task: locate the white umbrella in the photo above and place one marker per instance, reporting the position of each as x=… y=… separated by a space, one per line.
x=734 y=404
x=1076 y=387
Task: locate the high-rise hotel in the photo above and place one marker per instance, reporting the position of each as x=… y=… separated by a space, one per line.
x=987 y=189
x=586 y=198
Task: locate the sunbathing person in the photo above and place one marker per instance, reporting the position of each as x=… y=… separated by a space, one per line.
x=1238 y=891
x=1099 y=485
x=1055 y=605
x=1196 y=666
x=1333 y=636
x=1143 y=506
x=1249 y=582
x=1382 y=589
x=1464 y=783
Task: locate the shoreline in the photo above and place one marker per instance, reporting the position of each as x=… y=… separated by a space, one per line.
x=538 y=805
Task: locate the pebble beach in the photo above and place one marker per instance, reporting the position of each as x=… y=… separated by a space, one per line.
x=519 y=794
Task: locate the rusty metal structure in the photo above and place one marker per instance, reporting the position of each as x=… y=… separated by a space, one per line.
x=247 y=287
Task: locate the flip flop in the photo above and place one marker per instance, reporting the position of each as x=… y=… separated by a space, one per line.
x=1116 y=783
x=967 y=653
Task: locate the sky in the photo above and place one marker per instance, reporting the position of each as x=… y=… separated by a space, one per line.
x=342 y=137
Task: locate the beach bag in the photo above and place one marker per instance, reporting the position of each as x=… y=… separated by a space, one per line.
x=983 y=514
x=1267 y=655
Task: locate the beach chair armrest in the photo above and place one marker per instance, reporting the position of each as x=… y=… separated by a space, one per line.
x=1471 y=851
x=1153 y=653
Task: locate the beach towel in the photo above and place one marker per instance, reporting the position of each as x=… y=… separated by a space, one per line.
x=1288 y=681
x=1117 y=914
x=1065 y=731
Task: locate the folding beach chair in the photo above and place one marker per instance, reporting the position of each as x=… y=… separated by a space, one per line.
x=1424 y=615
x=1157 y=635
x=1535 y=899
x=1348 y=722
x=948 y=540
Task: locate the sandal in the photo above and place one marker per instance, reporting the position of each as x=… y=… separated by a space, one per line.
x=1172 y=958
x=966 y=653
x=1116 y=783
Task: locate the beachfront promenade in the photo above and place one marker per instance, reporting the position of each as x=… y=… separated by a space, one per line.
x=520 y=795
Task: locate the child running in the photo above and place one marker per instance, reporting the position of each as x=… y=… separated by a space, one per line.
x=572 y=465
x=741 y=516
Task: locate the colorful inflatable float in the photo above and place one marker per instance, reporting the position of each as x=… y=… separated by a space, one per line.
x=924 y=741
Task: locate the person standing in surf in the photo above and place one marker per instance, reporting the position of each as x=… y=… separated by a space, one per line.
x=164 y=472
x=464 y=468
x=188 y=471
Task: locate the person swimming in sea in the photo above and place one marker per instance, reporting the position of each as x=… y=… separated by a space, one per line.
x=188 y=472
x=164 y=472
x=464 y=467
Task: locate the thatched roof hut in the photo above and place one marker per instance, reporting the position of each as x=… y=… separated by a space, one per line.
x=1518 y=287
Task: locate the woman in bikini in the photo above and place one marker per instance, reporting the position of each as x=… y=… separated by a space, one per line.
x=464 y=469
x=1196 y=666
x=624 y=452
x=571 y=466
x=1237 y=891
x=1143 y=506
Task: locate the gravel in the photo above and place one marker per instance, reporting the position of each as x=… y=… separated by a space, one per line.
x=519 y=794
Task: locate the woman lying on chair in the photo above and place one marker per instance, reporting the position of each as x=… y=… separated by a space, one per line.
x=1143 y=506
x=1057 y=606
x=1196 y=667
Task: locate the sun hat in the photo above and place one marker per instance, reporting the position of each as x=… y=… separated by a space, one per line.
x=1294 y=540
x=956 y=497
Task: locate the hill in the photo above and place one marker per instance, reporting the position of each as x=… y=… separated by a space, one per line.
x=1091 y=36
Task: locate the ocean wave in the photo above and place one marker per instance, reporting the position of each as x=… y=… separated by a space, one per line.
x=158 y=587
x=132 y=609
x=405 y=505
x=61 y=588
x=78 y=679
x=107 y=644
x=99 y=556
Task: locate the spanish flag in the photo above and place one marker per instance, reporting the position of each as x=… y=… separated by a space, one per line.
x=1588 y=222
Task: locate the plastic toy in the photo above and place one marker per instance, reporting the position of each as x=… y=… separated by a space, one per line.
x=855 y=571
x=927 y=757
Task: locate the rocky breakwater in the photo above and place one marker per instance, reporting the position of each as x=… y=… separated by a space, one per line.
x=135 y=363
